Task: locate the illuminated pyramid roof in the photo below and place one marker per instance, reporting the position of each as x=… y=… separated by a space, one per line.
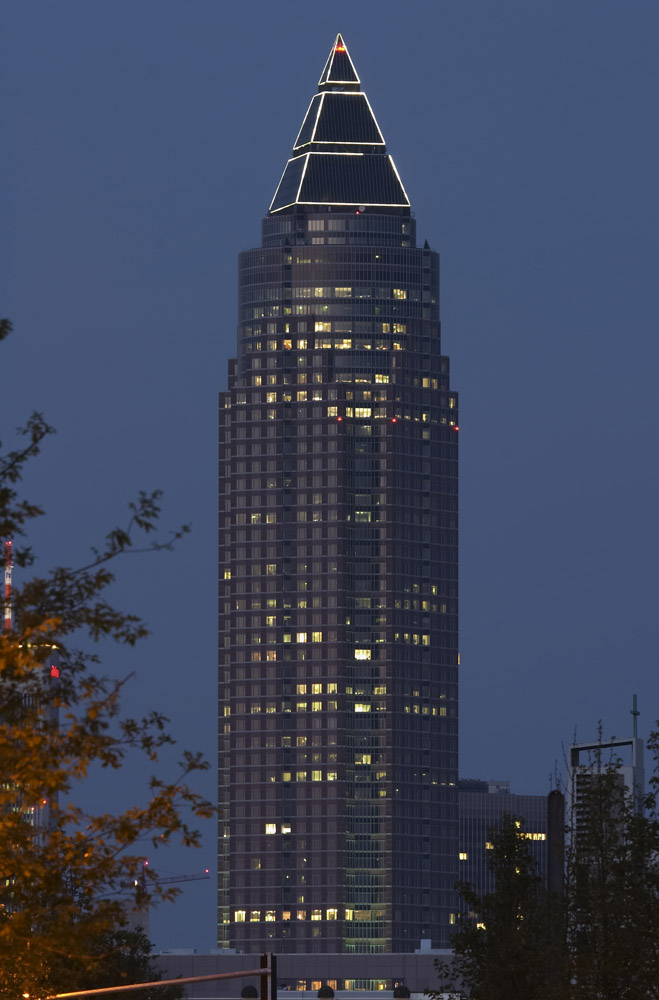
x=339 y=67
x=339 y=156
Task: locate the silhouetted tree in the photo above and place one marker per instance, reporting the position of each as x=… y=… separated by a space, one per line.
x=508 y=944
x=600 y=941
x=613 y=887
x=121 y=956
x=61 y=867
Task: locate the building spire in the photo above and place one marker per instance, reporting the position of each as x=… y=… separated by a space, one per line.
x=339 y=155
x=339 y=69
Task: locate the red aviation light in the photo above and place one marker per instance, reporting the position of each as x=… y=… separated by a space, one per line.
x=394 y=420
x=339 y=47
x=339 y=419
x=456 y=428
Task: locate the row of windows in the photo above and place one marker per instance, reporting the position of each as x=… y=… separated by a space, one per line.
x=371 y=223
x=286 y=741
x=304 y=721
x=270 y=586
x=254 y=916
x=273 y=482
x=271 y=707
x=366 y=396
x=241 y=639
x=324 y=825
x=258 y=761
x=329 y=326
x=252 y=337
x=320 y=445
x=270 y=518
x=255 y=465
x=319 y=430
x=316 y=515
x=277 y=283
x=270 y=621
x=302 y=602
x=273 y=311
x=256 y=656
x=251 y=291
x=346 y=292
x=241 y=450
x=366 y=297
x=416 y=709
x=271 y=397
x=333 y=225
x=303 y=396
x=325 y=618
x=364 y=309
x=358 y=317
x=258 y=569
x=362 y=371
x=409 y=262
x=321 y=343
x=341 y=241
x=315 y=775
x=298 y=499
x=243 y=655
x=423 y=606
x=265 y=759
x=287 y=776
x=357 y=430
x=330 y=688
x=318 y=394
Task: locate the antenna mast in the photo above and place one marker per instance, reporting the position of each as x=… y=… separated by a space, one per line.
x=635 y=713
x=9 y=565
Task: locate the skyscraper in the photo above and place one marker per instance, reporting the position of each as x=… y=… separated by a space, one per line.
x=338 y=561
x=598 y=765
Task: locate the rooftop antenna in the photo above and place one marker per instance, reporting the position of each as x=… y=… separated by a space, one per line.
x=635 y=713
x=9 y=565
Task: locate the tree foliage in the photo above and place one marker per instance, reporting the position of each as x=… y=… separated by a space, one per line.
x=61 y=868
x=505 y=945
x=613 y=888
x=600 y=940
x=122 y=956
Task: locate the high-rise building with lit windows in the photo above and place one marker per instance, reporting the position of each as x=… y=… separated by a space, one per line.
x=483 y=807
x=338 y=562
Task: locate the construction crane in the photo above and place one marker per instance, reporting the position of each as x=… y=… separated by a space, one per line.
x=138 y=913
x=167 y=880
x=183 y=878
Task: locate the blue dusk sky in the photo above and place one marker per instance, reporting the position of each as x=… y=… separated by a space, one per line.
x=142 y=142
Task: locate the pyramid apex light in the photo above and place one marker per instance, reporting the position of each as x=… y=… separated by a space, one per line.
x=339 y=69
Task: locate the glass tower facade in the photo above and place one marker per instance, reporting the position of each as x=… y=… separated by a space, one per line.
x=482 y=806
x=338 y=562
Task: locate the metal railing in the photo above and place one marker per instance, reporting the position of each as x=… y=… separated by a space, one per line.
x=267 y=973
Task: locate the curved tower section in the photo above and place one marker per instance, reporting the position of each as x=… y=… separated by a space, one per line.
x=338 y=562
